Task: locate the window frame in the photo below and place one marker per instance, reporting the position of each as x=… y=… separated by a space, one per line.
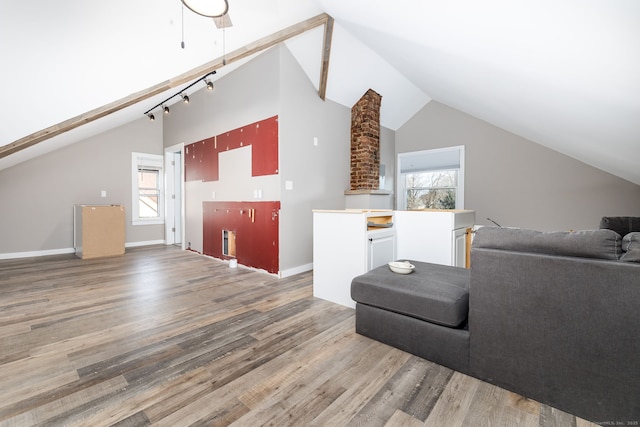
x=154 y=162
x=440 y=159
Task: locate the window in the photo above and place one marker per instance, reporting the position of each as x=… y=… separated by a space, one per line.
x=431 y=190
x=147 y=189
x=431 y=179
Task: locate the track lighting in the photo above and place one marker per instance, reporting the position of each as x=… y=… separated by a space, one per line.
x=182 y=94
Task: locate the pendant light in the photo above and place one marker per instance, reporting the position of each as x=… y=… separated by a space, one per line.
x=208 y=8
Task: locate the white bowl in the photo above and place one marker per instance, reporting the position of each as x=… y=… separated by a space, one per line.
x=401 y=267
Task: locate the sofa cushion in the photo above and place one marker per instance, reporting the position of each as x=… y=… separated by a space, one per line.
x=631 y=247
x=602 y=244
x=622 y=225
x=435 y=293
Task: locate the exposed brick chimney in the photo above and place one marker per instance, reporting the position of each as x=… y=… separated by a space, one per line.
x=365 y=142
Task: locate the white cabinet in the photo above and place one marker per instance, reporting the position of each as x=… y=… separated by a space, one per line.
x=460 y=247
x=346 y=244
x=436 y=236
x=381 y=248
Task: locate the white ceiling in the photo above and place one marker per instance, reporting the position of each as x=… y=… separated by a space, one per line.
x=563 y=73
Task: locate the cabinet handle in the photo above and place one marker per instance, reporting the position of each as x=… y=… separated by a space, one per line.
x=370 y=239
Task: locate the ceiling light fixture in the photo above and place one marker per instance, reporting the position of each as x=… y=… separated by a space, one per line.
x=208 y=8
x=182 y=94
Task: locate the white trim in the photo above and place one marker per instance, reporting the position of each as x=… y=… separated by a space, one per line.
x=33 y=254
x=66 y=251
x=400 y=193
x=169 y=212
x=146 y=243
x=155 y=161
x=460 y=190
x=147 y=222
x=296 y=270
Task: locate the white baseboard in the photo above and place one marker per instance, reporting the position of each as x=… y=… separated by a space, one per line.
x=296 y=270
x=147 y=243
x=32 y=254
x=64 y=251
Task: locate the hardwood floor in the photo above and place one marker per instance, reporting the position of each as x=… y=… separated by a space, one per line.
x=166 y=337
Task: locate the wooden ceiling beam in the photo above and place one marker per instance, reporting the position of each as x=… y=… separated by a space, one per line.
x=326 y=53
x=195 y=73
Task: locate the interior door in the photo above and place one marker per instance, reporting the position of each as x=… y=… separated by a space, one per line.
x=174 y=183
x=177 y=197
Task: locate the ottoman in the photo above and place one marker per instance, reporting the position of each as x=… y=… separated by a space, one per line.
x=423 y=313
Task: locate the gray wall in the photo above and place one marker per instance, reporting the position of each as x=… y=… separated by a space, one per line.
x=36 y=213
x=509 y=179
x=388 y=157
x=273 y=83
x=517 y=182
x=320 y=174
x=247 y=95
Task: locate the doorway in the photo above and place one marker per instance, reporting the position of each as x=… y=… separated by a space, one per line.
x=174 y=219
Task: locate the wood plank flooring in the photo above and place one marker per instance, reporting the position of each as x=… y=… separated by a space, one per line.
x=166 y=337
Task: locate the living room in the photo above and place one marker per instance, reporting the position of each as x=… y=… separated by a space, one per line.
x=511 y=179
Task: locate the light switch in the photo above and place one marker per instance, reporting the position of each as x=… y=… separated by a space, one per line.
x=315 y=141
x=103 y=193
x=288 y=185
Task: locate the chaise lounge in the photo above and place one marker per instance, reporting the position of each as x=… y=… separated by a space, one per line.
x=551 y=316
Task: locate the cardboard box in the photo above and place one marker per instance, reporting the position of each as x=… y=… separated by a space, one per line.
x=99 y=230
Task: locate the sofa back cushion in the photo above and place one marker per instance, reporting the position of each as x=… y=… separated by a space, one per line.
x=631 y=247
x=601 y=244
x=622 y=225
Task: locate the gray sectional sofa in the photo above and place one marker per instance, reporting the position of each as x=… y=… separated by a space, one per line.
x=552 y=316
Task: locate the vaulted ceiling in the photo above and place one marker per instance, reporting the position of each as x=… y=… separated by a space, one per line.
x=562 y=73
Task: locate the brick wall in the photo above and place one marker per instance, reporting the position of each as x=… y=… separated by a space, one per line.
x=365 y=142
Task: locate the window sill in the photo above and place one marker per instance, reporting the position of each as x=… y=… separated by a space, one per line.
x=147 y=222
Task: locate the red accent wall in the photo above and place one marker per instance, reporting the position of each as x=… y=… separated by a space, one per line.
x=201 y=157
x=256 y=225
x=264 y=147
x=209 y=169
x=193 y=161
